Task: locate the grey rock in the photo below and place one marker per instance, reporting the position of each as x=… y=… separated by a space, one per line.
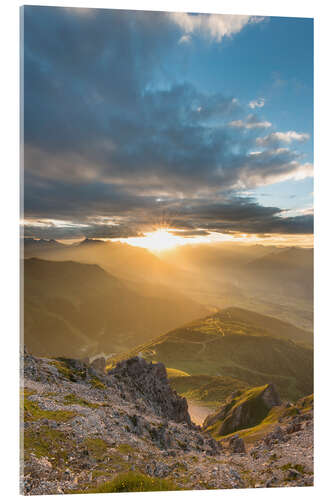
x=99 y=365
x=236 y=444
x=151 y=382
x=275 y=437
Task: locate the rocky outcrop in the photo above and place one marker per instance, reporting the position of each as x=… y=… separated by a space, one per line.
x=82 y=417
x=244 y=410
x=82 y=429
x=151 y=383
x=270 y=396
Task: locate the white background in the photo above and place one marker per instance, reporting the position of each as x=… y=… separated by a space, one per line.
x=321 y=10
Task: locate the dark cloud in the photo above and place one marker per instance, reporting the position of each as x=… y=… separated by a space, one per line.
x=108 y=132
x=189 y=233
x=241 y=215
x=187 y=218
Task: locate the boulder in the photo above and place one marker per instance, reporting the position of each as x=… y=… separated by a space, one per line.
x=236 y=444
x=99 y=365
x=276 y=436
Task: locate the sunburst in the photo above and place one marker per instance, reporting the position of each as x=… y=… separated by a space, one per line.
x=157 y=241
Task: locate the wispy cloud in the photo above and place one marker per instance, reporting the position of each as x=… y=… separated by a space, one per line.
x=257 y=103
x=282 y=137
x=251 y=122
x=213 y=26
x=184 y=39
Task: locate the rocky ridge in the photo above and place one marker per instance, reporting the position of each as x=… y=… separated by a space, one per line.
x=243 y=409
x=83 y=427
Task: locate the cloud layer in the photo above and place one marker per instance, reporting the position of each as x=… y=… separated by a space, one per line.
x=108 y=134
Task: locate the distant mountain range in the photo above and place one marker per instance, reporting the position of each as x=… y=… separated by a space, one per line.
x=252 y=266
x=120 y=259
x=276 y=281
x=74 y=309
x=270 y=280
x=287 y=257
x=289 y=270
x=33 y=244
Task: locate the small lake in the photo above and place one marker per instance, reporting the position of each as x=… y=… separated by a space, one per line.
x=198 y=412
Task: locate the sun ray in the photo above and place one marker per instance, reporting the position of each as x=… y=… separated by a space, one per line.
x=157 y=241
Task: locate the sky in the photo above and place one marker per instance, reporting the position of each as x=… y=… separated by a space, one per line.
x=196 y=126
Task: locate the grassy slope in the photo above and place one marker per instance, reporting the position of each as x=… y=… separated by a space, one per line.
x=216 y=346
x=265 y=325
x=274 y=416
x=173 y=373
x=207 y=389
x=253 y=406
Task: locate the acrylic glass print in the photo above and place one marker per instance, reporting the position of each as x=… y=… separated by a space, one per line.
x=167 y=251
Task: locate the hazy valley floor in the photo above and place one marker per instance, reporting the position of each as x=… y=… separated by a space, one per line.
x=198 y=412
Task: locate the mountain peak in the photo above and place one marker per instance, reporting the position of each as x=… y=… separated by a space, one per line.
x=90 y=241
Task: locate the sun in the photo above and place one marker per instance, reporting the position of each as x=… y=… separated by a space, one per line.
x=163 y=240
x=157 y=241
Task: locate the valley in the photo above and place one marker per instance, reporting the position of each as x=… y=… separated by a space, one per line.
x=166 y=251
x=198 y=413
x=217 y=349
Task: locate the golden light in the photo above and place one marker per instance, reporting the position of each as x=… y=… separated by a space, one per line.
x=157 y=241
x=164 y=239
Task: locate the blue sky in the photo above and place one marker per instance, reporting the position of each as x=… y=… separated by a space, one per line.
x=131 y=117
x=271 y=59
